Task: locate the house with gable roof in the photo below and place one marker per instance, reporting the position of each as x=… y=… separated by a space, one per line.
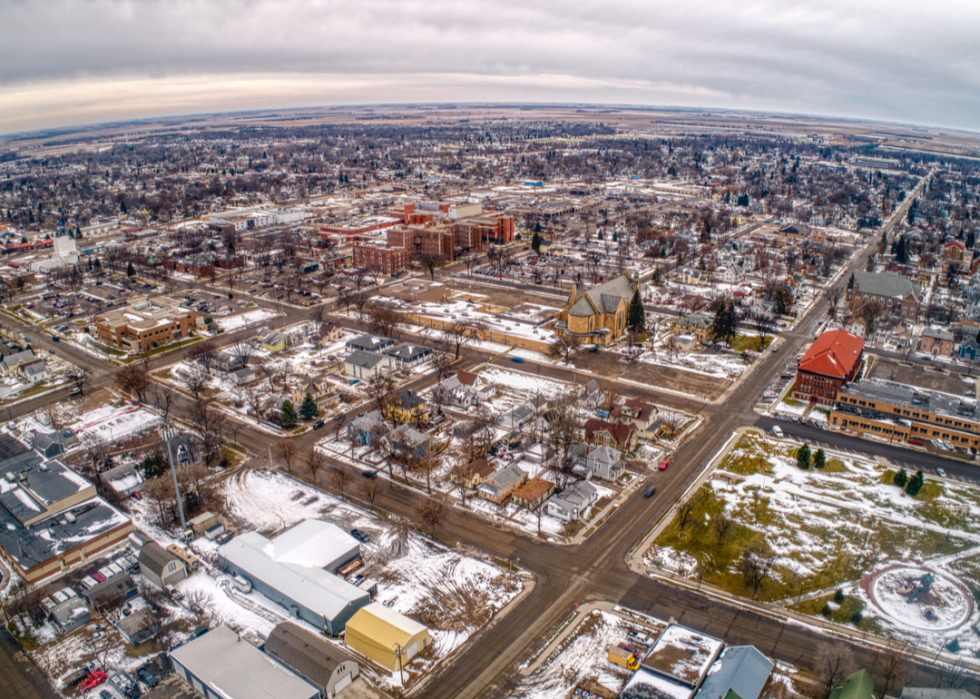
x=831 y=362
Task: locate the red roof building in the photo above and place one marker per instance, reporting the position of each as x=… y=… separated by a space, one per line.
x=621 y=435
x=831 y=361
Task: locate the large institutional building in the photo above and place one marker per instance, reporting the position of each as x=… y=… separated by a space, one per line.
x=832 y=361
x=599 y=314
x=145 y=324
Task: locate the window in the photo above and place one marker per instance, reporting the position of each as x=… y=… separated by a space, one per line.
x=171 y=567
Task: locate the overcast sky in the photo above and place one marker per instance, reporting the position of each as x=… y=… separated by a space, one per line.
x=65 y=62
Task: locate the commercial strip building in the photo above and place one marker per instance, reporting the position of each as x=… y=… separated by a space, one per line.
x=897 y=411
x=832 y=361
x=145 y=323
x=220 y=665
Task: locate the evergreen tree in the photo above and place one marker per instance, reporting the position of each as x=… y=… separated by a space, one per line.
x=850 y=282
x=636 y=316
x=153 y=466
x=122 y=207
x=915 y=484
x=902 y=478
x=599 y=234
x=803 y=457
x=725 y=323
x=536 y=242
x=130 y=270
x=308 y=409
x=537 y=226
x=819 y=459
x=288 y=416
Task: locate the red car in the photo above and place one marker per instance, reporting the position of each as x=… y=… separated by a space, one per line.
x=664 y=464
x=99 y=577
x=93 y=680
x=136 y=495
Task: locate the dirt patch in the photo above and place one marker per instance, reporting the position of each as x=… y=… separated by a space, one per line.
x=928 y=378
x=613 y=365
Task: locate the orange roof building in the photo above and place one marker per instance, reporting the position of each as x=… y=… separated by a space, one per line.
x=832 y=361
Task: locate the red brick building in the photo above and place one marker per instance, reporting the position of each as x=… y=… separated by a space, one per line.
x=384 y=259
x=832 y=361
x=431 y=239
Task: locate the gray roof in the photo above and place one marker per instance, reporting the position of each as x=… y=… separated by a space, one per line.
x=506 y=475
x=155 y=558
x=574 y=495
x=407 y=352
x=604 y=298
x=321 y=592
x=240 y=670
x=937 y=333
x=367 y=360
x=407 y=435
x=14 y=359
x=312 y=657
x=110 y=590
x=43 y=486
x=69 y=610
x=367 y=422
x=741 y=669
x=370 y=343
x=139 y=620
x=913 y=398
x=885 y=284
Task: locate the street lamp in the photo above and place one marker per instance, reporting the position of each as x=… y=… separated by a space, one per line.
x=166 y=434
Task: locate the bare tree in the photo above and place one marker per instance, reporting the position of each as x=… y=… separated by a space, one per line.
x=459 y=333
x=210 y=426
x=163 y=399
x=242 y=349
x=383 y=320
x=563 y=431
x=286 y=450
x=834 y=296
x=430 y=513
x=314 y=462
x=756 y=566
x=565 y=345
x=79 y=377
x=204 y=355
x=371 y=488
x=891 y=664
x=195 y=380
x=339 y=478
x=134 y=380
x=834 y=662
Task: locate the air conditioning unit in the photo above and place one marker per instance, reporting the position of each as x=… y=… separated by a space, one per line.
x=69 y=517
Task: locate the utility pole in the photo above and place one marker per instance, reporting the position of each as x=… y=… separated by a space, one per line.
x=166 y=433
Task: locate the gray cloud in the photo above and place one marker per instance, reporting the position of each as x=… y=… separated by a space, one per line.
x=889 y=60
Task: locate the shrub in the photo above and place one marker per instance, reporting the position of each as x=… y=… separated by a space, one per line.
x=856 y=617
x=901 y=478
x=826 y=610
x=803 y=457
x=839 y=596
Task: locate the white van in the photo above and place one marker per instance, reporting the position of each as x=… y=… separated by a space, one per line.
x=778 y=432
x=242 y=584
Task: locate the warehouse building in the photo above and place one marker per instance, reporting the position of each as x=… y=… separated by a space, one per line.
x=220 y=665
x=296 y=570
x=386 y=636
x=321 y=663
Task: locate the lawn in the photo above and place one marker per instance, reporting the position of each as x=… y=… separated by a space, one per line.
x=822 y=527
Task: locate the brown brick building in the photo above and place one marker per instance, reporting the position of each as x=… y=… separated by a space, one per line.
x=386 y=259
x=145 y=324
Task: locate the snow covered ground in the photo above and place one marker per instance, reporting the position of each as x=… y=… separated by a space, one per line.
x=109 y=423
x=244 y=320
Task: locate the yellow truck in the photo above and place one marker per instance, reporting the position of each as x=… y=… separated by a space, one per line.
x=624 y=655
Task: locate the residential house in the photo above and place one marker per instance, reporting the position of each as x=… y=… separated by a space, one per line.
x=243 y=376
x=599 y=314
x=408 y=406
x=327 y=334
x=34 y=371
x=10 y=363
x=898 y=294
x=367 y=365
x=622 y=435
x=320 y=389
x=689 y=275
x=601 y=461
x=698 y=324
x=740 y=671
x=161 y=567
x=408 y=355
x=273 y=340
x=591 y=394
x=969 y=350
x=573 y=502
x=366 y=427
x=533 y=493
x=71 y=614
x=858 y=685
x=502 y=483
x=369 y=343
x=636 y=411
x=407 y=440
x=51 y=444
x=471 y=475
x=936 y=341
x=139 y=627
x=462 y=390
x=733 y=274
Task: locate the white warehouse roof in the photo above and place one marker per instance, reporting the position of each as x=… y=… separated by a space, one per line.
x=238 y=670
x=315 y=544
x=319 y=591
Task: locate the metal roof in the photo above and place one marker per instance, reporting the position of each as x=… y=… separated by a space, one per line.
x=741 y=669
x=238 y=670
x=310 y=655
x=319 y=591
x=384 y=625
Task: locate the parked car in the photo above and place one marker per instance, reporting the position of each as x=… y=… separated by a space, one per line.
x=136 y=495
x=777 y=432
x=519 y=360
x=318 y=424
x=93 y=680
x=369 y=474
x=640 y=638
x=650 y=491
x=664 y=464
x=360 y=536
x=941 y=472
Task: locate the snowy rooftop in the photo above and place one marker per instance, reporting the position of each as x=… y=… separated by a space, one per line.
x=313 y=544
x=683 y=655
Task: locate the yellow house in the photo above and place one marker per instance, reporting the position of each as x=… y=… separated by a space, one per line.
x=386 y=636
x=407 y=406
x=599 y=314
x=273 y=340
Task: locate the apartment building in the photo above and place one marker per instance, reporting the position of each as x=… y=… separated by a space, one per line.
x=145 y=324
x=385 y=259
x=897 y=411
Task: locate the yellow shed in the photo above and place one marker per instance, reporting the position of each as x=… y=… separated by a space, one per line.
x=385 y=636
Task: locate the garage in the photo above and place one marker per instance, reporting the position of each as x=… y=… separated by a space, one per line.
x=324 y=665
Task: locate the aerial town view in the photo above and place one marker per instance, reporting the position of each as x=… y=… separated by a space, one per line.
x=312 y=386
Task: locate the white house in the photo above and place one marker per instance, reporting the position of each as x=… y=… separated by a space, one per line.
x=367 y=365
x=573 y=502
